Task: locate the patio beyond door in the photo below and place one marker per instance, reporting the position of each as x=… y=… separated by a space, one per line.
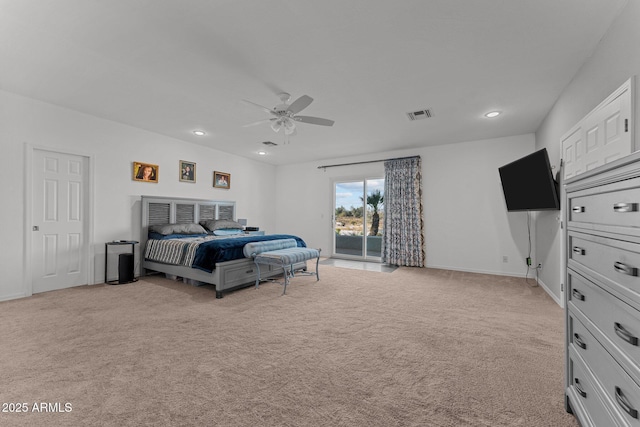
x=359 y=219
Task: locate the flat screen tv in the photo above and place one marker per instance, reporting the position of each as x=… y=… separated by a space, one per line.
x=528 y=184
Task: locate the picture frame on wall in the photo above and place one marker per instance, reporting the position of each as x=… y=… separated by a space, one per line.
x=146 y=172
x=221 y=180
x=187 y=171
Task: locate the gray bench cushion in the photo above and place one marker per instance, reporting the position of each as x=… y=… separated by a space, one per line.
x=286 y=256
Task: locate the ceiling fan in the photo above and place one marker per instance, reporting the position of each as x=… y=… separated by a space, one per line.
x=285 y=115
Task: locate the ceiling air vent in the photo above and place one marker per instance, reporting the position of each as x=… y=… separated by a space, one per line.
x=269 y=143
x=420 y=114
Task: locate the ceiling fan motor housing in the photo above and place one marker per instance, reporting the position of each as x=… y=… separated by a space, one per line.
x=281 y=110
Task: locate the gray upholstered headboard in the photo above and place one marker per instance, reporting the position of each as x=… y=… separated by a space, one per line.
x=175 y=210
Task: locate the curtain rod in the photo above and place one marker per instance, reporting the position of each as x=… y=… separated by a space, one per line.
x=368 y=161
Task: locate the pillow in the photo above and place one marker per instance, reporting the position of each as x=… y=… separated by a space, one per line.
x=167 y=229
x=221 y=224
x=158 y=236
x=227 y=231
x=252 y=249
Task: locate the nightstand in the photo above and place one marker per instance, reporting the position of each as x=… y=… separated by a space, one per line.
x=126 y=266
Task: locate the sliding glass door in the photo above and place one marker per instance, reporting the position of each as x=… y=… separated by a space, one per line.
x=359 y=219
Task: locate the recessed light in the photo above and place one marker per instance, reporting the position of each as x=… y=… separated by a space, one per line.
x=262 y=153
x=493 y=114
x=199 y=132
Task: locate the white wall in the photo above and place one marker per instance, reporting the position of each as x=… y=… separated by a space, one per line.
x=614 y=61
x=113 y=147
x=467 y=226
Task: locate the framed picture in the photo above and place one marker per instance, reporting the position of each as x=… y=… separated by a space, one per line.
x=221 y=180
x=187 y=171
x=145 y=172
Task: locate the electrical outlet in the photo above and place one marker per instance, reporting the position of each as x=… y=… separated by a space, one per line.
x=505 y=258
x=539 y=265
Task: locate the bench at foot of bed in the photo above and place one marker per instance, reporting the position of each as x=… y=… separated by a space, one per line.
x=284 y=254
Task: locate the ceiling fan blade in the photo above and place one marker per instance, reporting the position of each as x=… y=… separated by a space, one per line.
x=314 y=120
x=300 y=104
x=259 y=122
x=268 y=110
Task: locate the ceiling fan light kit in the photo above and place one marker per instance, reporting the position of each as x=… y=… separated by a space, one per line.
x=285 y=123
x=285 y=114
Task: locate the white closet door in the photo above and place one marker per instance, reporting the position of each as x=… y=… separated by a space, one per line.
x=59 y=238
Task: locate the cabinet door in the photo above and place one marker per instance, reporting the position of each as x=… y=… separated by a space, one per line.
x=607 y=136
x=573 y=152
x=603 y=136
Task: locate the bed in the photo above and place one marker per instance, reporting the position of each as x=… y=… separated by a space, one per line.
x=199 y=258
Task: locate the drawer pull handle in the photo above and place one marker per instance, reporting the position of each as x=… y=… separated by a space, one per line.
x=249 y=271
x=579 y=342
x=625 y=269
x=578 y=209
x=624 y=403
x=578 y=250
x=577 y=295
x=576 y=384
x=624 y=334
x=625 y=207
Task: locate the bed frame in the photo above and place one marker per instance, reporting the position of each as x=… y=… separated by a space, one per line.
x=228 y=275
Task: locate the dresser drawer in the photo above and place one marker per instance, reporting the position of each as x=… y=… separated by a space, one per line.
x=611 y=205
x=246 y=272
x=615 y=262
x=584 y=343
x=619 y=388
x=586 y=402
x=616 y=320
x=241 y=274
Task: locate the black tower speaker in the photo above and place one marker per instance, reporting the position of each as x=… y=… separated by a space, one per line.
x=125 y=268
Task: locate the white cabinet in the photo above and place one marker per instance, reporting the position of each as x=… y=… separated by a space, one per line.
x=603 y=294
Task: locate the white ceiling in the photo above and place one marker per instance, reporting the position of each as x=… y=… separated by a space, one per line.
x=171 y=67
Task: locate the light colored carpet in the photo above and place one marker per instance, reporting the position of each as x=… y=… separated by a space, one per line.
x=416 y=347
x=359 y=265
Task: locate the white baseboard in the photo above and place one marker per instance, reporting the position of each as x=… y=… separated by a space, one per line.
x=11 y=296
x=471 y=270
x=502 y=273
x=558 y=301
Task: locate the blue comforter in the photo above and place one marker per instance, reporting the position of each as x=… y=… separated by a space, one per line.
x=213 y=251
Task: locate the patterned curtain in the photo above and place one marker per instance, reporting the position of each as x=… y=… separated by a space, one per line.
x=403 y=221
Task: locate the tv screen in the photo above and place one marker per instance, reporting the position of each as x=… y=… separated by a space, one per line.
x=528 y=183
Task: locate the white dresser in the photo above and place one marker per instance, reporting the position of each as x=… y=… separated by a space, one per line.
x=603 y=294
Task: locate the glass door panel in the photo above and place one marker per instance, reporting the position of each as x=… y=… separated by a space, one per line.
x=374 y=217
x=349 y=221
x=359 y=219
